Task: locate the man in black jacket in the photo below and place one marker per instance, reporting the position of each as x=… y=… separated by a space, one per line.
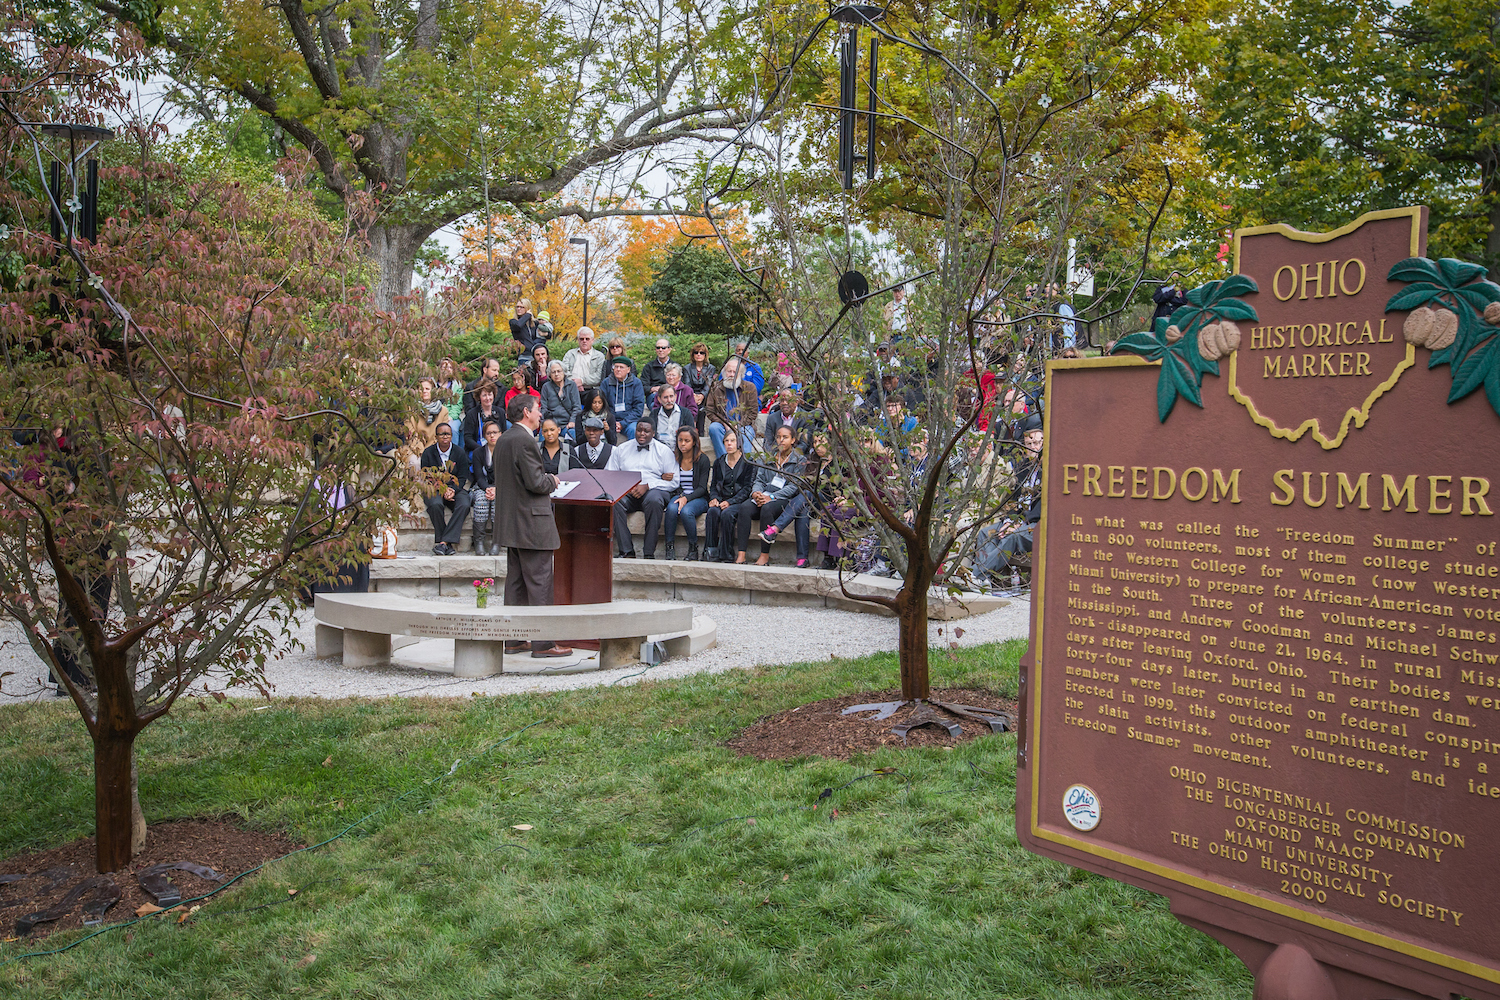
x=1168 y=298
x=595 y=451
x=449 y=506
x=654 y=375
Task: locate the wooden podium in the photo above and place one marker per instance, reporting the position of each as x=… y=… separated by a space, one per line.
x=583 y=565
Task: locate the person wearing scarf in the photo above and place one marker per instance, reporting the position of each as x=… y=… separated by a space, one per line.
x=421 y=429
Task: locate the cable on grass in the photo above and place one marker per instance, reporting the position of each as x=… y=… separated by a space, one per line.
x=628 y=676
x=311 y=847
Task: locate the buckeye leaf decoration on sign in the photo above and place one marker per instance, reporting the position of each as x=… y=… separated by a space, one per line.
x=1470 y=351
x=1183 y=364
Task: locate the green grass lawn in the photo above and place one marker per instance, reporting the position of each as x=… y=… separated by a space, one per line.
x=641 y=877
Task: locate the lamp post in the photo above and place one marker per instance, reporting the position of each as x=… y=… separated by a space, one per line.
x=581 y=241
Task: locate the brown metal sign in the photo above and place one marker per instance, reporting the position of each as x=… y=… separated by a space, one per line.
x=1264 y=677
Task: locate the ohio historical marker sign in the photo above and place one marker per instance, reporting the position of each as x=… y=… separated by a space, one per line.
x=1264 y=677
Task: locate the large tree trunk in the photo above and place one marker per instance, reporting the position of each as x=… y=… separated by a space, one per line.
x=911 y=612
x=393 y=249
x=117 y=807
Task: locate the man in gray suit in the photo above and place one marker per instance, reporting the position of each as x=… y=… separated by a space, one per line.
x=524 y=525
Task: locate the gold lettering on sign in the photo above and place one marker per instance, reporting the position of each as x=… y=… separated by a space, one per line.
x=1311 y=276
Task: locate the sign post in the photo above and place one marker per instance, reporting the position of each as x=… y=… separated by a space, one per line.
x=1264 y=676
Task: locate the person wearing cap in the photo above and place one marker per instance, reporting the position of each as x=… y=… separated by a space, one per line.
x=584 y=365
x=536 y=367
x=658 y=469
x=655 y=372
x=523 y=327
x=595 y=451
x=624 y=397
x=544 y=328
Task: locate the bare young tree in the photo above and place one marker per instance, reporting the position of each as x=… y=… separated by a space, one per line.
x=996 y=144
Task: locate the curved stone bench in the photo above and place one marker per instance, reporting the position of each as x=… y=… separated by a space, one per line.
x=368 y=621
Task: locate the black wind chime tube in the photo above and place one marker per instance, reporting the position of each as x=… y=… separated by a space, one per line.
x=870 y=133
x=90 y=224
x=54 y=211
x=848 y=87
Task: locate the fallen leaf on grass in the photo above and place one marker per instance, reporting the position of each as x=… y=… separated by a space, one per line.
x=786 y=878
x=328 y=761
x=292 y=892
x=146 y=909
x=523 y=827
x=306 y=960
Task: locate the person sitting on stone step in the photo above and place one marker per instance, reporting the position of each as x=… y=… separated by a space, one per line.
x=482 y=504
x=557 y=452
x=691 y=498
x=777 y=481
x=729 y=487
x=446 y=469
x=654 y=461
x=594 y=452
x=485 y=410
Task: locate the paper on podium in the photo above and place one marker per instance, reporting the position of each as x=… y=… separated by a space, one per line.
x=564 y=488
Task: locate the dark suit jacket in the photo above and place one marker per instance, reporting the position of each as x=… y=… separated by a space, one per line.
x=581 y=455
x=522 y=493
x=457 y=472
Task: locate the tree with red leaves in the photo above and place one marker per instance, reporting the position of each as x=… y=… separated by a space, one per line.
x=201 y=404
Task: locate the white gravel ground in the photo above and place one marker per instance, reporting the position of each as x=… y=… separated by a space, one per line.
x=749 y=636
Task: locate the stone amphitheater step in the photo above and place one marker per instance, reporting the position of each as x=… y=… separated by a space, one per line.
x=414 y=537
x=660 y=580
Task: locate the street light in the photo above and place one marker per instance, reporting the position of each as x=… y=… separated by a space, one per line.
x=580 y=241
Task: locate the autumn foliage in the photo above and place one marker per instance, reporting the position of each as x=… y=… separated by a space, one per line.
x=196 y=408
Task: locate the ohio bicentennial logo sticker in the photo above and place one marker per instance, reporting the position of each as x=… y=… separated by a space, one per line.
x=1081 y=806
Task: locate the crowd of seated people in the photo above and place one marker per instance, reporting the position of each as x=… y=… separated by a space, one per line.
x=741 y=449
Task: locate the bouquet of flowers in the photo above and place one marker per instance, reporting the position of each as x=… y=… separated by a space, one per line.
x=482 y=591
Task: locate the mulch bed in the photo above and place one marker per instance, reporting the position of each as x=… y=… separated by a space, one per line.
x=819 y=730
x=216 y=844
